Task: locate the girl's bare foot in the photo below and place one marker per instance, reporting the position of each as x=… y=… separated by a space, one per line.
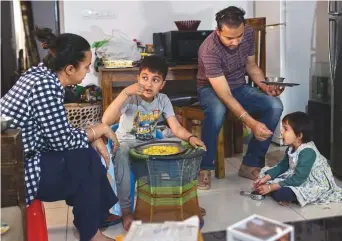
x=127 y=218
x=284 y=203
x=101 y=237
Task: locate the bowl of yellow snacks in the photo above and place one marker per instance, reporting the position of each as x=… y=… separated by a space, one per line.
x=161 y=148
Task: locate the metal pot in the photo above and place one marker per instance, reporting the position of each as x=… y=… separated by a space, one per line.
x=5 y=122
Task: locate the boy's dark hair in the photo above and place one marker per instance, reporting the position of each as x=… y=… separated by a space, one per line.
x=154 y=64
x=64 y=49
x=231 y=16
x=301 y=124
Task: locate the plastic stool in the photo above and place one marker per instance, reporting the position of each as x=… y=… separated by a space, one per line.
x=36 y=222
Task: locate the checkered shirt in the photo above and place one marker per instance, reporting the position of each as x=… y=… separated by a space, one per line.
x=36 y=102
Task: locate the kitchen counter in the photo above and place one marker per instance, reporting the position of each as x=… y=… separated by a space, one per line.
x=323 y=229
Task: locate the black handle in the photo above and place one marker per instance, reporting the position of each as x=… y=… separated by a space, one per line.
x=332 y=37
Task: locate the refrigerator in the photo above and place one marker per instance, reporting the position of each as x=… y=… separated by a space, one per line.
x=335 y=64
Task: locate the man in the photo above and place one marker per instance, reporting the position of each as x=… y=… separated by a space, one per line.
x=223 y=60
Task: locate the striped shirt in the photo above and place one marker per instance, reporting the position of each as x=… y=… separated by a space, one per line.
x=36 y=104
x=215 y=59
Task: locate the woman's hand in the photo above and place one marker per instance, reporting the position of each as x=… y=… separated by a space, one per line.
x=103 y=130
x=101 y=148
x=195 y=142
x=109 y=133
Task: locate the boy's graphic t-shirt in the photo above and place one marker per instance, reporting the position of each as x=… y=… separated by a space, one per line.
x=139 y=118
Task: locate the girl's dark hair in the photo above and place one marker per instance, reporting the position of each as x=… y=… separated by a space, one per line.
x=301 y=124
x=154 y=64
x=231 y=16
x=64 y=49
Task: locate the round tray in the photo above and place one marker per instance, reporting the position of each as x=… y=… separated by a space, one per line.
x=140 y=148
x=280 y=83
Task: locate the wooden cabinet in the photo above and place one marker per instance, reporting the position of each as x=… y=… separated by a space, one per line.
x=13 y=201
x=12 y=169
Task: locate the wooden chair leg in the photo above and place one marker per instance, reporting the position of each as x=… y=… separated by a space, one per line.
x=238 y=137
x=228 y=138
x=220 y=167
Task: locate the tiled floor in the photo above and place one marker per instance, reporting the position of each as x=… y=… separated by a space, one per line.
x=223 y=203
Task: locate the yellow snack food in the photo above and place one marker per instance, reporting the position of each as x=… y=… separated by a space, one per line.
x=161 y=150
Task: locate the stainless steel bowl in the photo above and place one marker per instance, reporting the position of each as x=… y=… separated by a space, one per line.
x=5 y=122
x=275 y=79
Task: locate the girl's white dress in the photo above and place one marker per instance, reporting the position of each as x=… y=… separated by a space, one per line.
x=319 y=187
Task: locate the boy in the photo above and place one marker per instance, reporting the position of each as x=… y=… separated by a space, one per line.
x=141 y=106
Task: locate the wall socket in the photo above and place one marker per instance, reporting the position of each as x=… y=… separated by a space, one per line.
x=98 y=14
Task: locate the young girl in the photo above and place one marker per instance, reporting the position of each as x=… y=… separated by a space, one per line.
x=304 y=175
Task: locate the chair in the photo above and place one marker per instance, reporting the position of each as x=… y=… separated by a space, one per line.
x=196 y=113
x=259 y=26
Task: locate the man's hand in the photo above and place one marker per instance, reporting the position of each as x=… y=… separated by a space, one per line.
x=256 y=74
x=272 y=90
x=260 y=131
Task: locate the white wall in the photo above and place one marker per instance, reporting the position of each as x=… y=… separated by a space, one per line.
x=140 y=19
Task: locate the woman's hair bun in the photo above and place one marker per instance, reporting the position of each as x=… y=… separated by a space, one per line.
x=46 y=36
x=64 y=49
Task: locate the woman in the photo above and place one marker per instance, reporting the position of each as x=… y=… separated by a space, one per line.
x=59 y=163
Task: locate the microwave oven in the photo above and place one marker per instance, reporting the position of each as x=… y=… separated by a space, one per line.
x=179 y=47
